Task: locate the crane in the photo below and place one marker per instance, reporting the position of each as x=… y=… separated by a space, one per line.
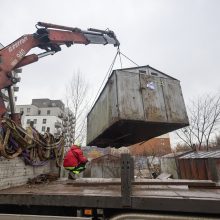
x=50 y=38
x=14 y=140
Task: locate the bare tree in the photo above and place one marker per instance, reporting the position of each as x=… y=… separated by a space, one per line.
x=182 y=147
x=204 y=118
x=77 y=96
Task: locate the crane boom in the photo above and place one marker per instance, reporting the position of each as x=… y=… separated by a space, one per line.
x=49 y=37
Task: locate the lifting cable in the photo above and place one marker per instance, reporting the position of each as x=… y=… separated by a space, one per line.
x=118 y=53
x=107 y=75
x=128 y=58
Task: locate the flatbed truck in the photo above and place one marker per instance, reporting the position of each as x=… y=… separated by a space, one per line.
x=123 y=198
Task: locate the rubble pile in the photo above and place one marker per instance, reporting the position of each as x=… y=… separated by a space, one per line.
x=43 y=178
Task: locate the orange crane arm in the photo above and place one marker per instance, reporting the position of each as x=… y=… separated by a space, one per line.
x=49 y=37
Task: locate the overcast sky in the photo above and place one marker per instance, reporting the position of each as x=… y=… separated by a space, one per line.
x=180 y=38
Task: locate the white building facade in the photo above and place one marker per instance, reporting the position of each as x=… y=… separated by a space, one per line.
x=42 y=123
x=49 y=115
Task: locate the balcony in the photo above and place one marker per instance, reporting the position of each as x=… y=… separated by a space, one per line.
x=65 y=124
x=65 y=118
x=70 y=114
x=60 y=115
x=58 y=124
x=72 y=135
x=58 y=133
x=65 y=130
x=71 y=140
x=72 y=119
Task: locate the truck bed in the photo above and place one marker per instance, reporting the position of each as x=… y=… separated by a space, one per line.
x=147 y=196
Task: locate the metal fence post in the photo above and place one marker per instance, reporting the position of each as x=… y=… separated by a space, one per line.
x=126 y=178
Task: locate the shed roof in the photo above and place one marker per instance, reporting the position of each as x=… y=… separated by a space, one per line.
x=176 y=154
x=146 y=66
x=202 y=154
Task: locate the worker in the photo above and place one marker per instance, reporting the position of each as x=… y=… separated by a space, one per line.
x=75 y=161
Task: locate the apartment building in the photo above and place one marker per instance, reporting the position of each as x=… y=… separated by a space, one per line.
x=49 y=114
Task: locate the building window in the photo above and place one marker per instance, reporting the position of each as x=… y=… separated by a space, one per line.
x=28 y=121
x=21 y=110
x=28 y=110
x=48 y=112
x=39 y=112
x=44 y=121
x=43 y=128
x=35 y=121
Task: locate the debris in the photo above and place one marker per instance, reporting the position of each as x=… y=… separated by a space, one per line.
x=43 y=178
x=155 y=170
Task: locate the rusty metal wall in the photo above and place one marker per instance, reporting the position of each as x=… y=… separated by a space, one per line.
x=130 y=100
x=199 y=168
x=153 y=99
x=104 y=112
x=149 y=105
x=164 y=101
x=174 y=102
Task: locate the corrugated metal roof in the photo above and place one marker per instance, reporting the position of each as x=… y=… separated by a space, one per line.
x=202 y=154
x=176 y=154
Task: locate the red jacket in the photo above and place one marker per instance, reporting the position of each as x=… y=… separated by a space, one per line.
x=74 y=157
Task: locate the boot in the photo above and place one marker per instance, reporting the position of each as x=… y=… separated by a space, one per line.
x=71 y=176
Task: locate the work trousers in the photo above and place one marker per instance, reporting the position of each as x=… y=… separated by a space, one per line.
x=76 y=170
